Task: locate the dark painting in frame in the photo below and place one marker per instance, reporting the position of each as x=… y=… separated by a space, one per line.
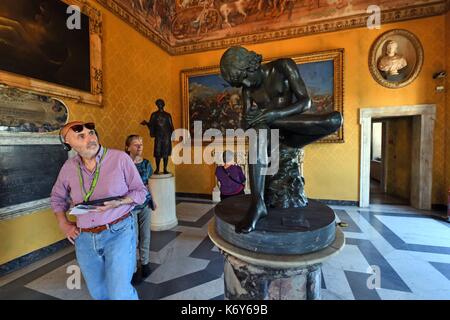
x=39 y=52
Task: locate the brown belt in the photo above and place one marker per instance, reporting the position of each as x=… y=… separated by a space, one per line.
x=105 y=226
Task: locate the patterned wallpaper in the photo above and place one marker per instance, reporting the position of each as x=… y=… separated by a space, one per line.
x=136 y=72
x=332 y=170
x=447 y=145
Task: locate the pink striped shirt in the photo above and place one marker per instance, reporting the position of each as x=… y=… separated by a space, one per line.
x=118 y=177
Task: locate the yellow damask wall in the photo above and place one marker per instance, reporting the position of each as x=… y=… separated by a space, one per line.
x=332 y=170
x=447 y=146
x=136 y=72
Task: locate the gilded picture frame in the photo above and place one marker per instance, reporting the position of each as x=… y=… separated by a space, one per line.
x=206 y=97
x=396 y=58
x=94 y=75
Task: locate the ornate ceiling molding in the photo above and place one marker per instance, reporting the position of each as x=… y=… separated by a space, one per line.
x=331 y=25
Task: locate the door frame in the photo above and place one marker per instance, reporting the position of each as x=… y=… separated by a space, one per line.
x=422 y=150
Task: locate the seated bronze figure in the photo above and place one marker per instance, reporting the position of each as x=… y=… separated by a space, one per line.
x=274 y=96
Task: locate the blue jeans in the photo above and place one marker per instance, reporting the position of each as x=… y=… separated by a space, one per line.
x=107 y=261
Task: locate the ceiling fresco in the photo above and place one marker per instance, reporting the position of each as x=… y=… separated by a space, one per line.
x=184 y=26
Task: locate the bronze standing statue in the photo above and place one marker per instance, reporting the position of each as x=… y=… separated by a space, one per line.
x=161 y=127
x=278 y=91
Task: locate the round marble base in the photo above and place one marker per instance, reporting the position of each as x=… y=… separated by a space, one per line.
x=258 y=276
x=163 y=192
x=283 y=231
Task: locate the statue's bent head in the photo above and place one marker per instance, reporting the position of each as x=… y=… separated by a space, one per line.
x=237 y=63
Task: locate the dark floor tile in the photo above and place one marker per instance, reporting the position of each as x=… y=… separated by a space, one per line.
x=322 y=281
x=443 y=268
x=161 y=238
x=358 y=284
x=180 y=284
x=204 y=250
x=215 y=267
x=345 y=217
x=24 y=293
x=389 y=277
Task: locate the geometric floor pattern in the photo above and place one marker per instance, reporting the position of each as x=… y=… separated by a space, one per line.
x=391 y=252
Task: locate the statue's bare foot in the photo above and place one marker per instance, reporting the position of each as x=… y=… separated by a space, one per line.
x=157 y=171
x=248 y=224
x=166 y=172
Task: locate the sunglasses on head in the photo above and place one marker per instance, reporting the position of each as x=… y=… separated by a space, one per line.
x=79 y=127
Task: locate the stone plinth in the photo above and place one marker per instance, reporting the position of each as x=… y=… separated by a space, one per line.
x=258 y=276
x=163 y=192
x=283 y=231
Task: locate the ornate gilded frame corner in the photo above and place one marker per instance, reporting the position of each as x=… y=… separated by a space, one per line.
x=93 y=97
x=373 y=59
x=337 y=56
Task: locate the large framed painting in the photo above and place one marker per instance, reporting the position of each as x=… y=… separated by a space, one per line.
x=206 y=97
x=52 y=47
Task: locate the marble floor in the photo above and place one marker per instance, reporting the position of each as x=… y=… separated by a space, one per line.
x=391 y=252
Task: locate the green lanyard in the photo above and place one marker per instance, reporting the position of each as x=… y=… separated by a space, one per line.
x=87 y=195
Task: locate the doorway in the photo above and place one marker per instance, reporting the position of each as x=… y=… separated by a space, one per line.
x=390 y=163
x=422 y=126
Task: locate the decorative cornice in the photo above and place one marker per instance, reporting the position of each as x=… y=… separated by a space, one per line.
x=355 y=21
x=133 y=22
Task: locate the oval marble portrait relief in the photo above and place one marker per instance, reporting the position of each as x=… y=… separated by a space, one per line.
x=395 y=58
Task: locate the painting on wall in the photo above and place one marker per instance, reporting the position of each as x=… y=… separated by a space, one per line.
x=39 y=51
x=211 y=100
x=206 y=97
x=183 y=26
x=396 y=58
x=22 y=111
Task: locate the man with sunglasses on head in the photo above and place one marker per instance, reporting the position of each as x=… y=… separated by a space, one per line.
x=104 y=237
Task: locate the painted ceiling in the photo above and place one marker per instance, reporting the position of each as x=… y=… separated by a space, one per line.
x=184 y=26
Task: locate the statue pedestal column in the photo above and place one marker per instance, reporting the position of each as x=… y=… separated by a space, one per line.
x=216 y=194
x=261 y=276
x=163 y=192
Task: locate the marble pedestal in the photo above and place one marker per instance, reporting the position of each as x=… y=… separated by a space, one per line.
x=216 y=194
x=257 y=276
x=163 y=191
